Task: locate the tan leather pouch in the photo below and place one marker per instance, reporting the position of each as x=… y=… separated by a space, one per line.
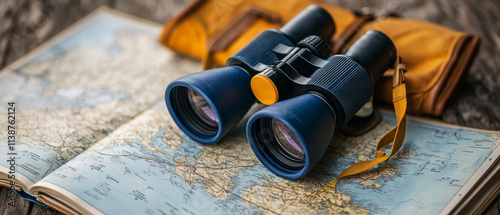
x=436 y=60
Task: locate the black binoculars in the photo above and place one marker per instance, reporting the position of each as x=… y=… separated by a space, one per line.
x=309 y=92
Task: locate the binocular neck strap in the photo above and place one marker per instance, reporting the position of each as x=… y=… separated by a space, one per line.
x=397 y=135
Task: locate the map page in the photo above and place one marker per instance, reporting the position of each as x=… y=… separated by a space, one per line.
x=149 y=166
x=79 y=87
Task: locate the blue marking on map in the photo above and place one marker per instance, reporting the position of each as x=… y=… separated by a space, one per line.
x=157 y=139
x=74 y=134
x=188 y=147
x=251 y=176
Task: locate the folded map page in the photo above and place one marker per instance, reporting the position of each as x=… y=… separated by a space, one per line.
x=98 y=139
x=80 y=86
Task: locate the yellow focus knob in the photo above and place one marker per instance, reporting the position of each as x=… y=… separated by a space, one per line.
x=264 y=89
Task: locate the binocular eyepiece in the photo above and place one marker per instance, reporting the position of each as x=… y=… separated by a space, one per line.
x=309 y=93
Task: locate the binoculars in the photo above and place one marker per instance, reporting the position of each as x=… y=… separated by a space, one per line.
x=308 y=92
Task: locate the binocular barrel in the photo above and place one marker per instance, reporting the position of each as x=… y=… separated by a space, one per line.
x=291 y=136
x=207 y=104
x=370 y=44
x=313 y=20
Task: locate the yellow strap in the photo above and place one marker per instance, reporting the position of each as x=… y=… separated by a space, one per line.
x=396 y=135
x=207 y=61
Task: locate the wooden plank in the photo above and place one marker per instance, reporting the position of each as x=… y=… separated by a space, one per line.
x=21 y=206
x=494 y=208
x=37 y=21
x=9 y=12
x=39 y=210
x=155 y=10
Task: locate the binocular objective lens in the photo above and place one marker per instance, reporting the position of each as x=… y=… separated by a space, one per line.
x=194 y=111
x=279 y=143
x=287 y=140
x=202 y=108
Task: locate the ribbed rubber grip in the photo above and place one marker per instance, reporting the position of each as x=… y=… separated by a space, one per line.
x=260 y=49
x=348 y=82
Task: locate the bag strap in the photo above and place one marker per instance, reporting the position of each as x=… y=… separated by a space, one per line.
x=171 y=25
x=397 y=135
x=339 y=43
x=238 y=25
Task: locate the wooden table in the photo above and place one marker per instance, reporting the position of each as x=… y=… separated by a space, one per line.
x=25 y=24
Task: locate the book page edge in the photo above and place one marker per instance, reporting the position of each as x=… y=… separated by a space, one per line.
x=62 y=196
x=20 y=180
x=474 y=184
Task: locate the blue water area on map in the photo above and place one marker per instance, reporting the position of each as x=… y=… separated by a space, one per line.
x=445 y=159
x=132 y=175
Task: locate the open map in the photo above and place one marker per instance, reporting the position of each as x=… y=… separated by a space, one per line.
x=151 y=162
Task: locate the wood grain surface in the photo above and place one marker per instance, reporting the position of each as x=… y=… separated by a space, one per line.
x=25 y=24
